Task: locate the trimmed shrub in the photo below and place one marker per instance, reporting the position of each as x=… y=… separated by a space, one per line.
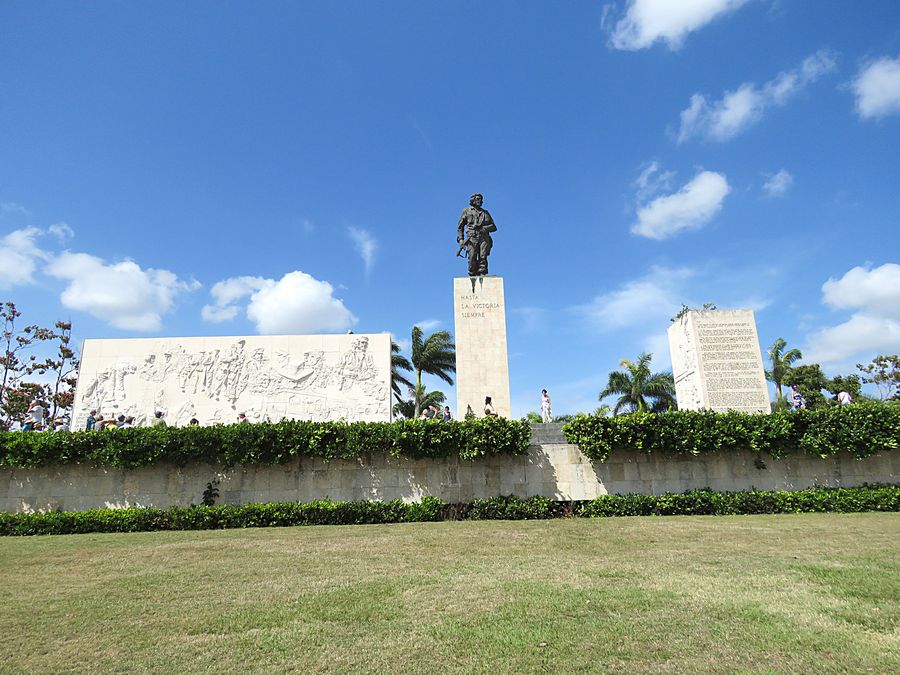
x=696 y=502
x=267 y=443
x=862 y=430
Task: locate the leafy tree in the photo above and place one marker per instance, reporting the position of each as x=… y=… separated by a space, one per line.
x=15 y=405
x=848 y=383
x=533 y=417
x=60 y=392
x=399 y=363
x=781 y=364
x=639 y=389
x=884 y=373
x=810 y=381
x=435 y=355
x=16 y=365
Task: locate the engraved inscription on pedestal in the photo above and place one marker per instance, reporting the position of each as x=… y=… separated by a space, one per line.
x=482 y=366
x=717 y=363
x=314 y=377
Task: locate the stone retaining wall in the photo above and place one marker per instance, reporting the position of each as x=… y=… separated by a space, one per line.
x=552 y=468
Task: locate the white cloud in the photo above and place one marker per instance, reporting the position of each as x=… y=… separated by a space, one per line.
x=778 y=184
x=861 y=336
x=652 y=181
x=738 y=109
x=19 y=253
x=428 y=324
x=647 y=21
x=874 y=327
x=365 y=245
x=61 y=231
x=694 y=205
x=226 y=293
x=872 y=290
x=877 y=88
x=651 y=299
x=296 y=303
x=123 y=294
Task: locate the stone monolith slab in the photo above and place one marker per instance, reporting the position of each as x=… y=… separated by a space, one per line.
x=716 y=361
x=482 y=365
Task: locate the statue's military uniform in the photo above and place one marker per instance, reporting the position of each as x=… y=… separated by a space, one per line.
x=475 y=225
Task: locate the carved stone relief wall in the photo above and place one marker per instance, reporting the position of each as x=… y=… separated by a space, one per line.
x=313 y=377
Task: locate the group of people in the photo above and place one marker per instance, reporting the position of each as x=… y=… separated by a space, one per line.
x=97 y=422
x=36 y=419
x=798 y=402
x=433 y=413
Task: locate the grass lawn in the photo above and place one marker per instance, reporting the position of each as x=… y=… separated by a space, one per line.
x=813 y=593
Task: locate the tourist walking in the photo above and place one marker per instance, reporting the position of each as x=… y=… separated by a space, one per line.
x=545 y=406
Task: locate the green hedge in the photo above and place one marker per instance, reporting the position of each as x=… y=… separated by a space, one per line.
x=696 y=502
x=266 y=443
x=862 y=430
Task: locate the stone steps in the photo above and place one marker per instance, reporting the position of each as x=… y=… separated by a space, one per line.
x=542 y=434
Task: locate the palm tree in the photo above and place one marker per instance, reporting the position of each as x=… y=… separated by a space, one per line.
x=781 y=364
x=399 y=363
x=640 y=389
x=435 y=355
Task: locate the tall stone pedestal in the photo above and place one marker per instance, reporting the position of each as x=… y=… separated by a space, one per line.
x=482 y=365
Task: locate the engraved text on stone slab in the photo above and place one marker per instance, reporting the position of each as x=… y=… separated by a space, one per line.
x=716 y=361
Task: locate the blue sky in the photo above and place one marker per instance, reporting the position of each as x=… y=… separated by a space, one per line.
x=223 y=168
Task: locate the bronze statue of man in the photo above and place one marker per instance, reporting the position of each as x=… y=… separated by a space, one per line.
x=473 y=235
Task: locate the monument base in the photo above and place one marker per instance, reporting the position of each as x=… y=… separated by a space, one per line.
x=482 y=365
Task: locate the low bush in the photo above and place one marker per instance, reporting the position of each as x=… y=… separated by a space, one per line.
x=862 y=430
x=696 y=502
x=266 y=443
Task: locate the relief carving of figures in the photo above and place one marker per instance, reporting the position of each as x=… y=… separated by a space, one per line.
x=334 y=384
x=108 y=387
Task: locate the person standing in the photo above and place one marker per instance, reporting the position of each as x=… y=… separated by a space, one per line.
x=158 y=420
x=36 y=413
x=844 y=398
x=797 y=400
x=546 y=413
x=91 y=421
x=447 y=415
x=489 y=407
